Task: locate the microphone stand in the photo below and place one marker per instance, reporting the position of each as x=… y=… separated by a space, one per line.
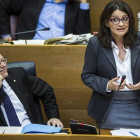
x=108 y=110
x=123 y=78
x=44 y=29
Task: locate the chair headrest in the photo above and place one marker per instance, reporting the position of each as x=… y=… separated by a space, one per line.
x=29 y=66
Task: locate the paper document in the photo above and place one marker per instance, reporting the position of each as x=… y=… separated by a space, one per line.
x=40 y=42
x=126 y=132
x=10 y=130
x=2 y=129
x=21 y=42
x=13 y=130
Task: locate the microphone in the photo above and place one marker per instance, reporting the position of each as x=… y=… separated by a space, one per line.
x=25 y=32
x=123 y=78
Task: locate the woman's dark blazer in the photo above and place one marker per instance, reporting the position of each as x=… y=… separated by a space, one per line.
x=99 y=68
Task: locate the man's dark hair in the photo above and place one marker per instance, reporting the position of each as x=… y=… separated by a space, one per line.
x=104 y=32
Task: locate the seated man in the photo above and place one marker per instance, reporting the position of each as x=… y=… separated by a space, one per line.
x=17 y=89
x=62 y=16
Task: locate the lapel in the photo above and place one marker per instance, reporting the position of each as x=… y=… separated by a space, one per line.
x=2 y=118
x=39 y=8
x=68 y=10
x=134 y=54
x=109 y=54
x=14 y=84
x=2 y=96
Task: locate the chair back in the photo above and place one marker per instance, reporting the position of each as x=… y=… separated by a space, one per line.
x=29 y=66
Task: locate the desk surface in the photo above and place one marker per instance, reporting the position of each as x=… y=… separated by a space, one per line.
x=105 y=136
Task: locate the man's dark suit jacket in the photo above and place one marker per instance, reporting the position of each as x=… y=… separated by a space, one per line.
x=26 y=87
x=77 y=21
x=99 y=69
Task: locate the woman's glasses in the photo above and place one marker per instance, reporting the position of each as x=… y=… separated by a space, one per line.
x=117 y=20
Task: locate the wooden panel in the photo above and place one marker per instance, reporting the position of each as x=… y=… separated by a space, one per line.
x=67 y=114
x=61 y=67
x=73 y=98
x=97 y=6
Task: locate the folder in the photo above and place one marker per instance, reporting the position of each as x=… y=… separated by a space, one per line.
x=38 y=128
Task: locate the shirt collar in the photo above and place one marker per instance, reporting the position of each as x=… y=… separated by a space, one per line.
x=53 y=1
x=113 y=45
x=4 y=83
x=116 y=47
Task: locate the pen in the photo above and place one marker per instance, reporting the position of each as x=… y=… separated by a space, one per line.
x=133 y=134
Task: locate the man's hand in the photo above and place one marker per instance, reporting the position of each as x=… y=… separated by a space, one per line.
x=58 y=1
x=112 y=85
x=55 y=122
x=8 y=38
x=133 y=87
x=95 y=33
x=83 y=1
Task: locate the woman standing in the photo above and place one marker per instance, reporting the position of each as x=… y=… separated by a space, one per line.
x=110 y=55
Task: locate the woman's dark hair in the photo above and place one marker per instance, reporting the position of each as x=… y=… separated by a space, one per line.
x=104 y=33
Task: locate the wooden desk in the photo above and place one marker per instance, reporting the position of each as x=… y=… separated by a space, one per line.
x=61 y=66
x=105 y=136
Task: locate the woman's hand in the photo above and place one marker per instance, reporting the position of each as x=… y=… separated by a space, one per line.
x=113 y=85
x=133 y=87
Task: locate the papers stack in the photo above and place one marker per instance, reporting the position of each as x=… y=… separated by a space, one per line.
x=54 y=40
x=76 y=39
x=69 y=39
x=126 y=132
x=64 y=40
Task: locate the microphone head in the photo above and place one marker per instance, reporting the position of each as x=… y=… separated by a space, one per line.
x=47 y=28
x=123 y=77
